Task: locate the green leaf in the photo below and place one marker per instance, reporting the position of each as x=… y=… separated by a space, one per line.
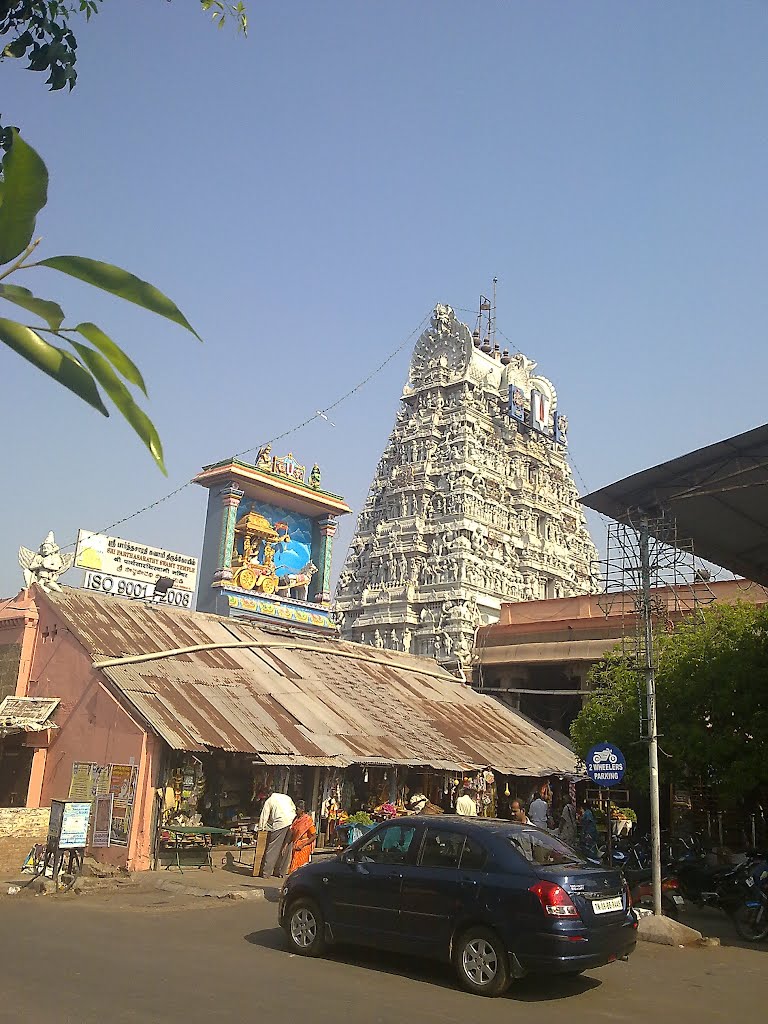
x=57 y=363
x=51 y=312
x=119 y=282
x=26 y=189
x=104 y=373
x=121 y=362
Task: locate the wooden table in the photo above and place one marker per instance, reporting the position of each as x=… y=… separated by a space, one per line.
x=206 y=831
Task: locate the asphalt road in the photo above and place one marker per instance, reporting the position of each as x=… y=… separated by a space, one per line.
x=70 y=960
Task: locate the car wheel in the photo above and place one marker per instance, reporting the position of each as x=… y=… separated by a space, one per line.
x=481 y=963
x=304 y=927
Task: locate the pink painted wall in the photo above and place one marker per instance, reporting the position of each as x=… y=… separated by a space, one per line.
x=18 y=625
x=93 y=725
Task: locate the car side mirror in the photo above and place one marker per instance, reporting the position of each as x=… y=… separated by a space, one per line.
x=350 y=857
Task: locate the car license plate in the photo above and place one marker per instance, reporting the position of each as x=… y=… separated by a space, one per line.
x=678 y=900
x=608 y=906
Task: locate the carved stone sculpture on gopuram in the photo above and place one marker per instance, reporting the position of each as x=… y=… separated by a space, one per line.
x=472 y=504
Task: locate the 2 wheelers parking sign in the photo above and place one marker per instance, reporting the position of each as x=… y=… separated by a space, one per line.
x=605 y=764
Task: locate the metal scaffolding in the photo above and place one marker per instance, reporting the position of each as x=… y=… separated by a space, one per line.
x=651 y=576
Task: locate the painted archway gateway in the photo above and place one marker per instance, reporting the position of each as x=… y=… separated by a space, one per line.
x=472 y=504
x=268 y=541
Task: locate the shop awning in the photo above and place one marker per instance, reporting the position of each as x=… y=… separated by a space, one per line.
x=717 y=495
x=203 y=682
x=303 y=760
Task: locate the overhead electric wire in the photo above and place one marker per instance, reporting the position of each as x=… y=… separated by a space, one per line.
x=319 y=414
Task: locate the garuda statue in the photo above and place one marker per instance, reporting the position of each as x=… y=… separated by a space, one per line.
x=45 y=565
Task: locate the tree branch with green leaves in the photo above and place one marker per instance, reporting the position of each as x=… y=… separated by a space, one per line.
x=92 y=365
x=711 y=681
x=41 y=32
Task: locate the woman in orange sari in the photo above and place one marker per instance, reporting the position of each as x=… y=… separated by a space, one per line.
x=301 y=838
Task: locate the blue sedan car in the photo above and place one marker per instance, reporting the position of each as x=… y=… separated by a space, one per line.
x=495 y=899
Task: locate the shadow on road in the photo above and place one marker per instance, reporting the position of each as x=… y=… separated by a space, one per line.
x=533 y=989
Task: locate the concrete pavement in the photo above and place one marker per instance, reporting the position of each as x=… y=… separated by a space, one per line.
x=125 y=959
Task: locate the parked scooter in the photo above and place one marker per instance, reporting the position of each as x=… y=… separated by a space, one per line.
x=751 y=916
x=740 y=890
x=640 y=885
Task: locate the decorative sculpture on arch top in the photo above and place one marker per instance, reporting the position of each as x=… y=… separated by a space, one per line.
x=253 y=566
x=45 y=565
x=297 y=583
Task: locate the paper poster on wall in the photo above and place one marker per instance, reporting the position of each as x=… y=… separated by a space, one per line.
x=122 y=788
x=102 y=820
x=102 y=777
x=81 y=783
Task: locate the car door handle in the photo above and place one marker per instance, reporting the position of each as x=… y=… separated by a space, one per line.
x=469 y=882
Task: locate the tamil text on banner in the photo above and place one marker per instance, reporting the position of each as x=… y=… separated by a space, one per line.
x=81 y=782
x=74 y=825
x=124 y=568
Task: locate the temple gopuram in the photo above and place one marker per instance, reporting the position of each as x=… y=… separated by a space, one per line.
x=268 y=542
x=472 y=504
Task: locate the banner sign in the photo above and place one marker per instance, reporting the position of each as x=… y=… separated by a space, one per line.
x=125 y=562
x=120 y=586
x=68 y=824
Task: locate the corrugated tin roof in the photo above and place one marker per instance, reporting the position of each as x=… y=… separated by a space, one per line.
x=304 y=759
x=334 y=700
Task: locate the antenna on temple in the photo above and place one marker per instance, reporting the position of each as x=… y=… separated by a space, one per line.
x=492 y=315
x=483 y=328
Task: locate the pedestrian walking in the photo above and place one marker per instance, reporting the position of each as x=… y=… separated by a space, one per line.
x=568 y=831
x=587 y=829
x=277 y=816
x=538 y=812
x=300 y=841
x=466 y=805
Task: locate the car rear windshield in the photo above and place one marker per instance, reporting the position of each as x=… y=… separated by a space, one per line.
x=540 y=847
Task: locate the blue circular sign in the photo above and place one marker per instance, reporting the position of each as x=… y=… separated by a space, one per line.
x=605 y=764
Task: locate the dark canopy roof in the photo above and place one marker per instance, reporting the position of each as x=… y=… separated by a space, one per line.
x=718 y=496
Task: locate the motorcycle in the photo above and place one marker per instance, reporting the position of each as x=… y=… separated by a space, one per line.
x=750 y=917
x=740 y=890
x=640 y=884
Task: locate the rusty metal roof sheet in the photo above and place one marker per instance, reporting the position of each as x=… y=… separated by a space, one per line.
x=304 y=760
x=320 y=700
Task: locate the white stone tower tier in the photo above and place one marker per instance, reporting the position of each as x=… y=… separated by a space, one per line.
x=472 y=504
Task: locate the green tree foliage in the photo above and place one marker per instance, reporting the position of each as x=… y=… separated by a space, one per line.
x=92 y=363
x=40 y=31
x=611 y=716
x=712 y=706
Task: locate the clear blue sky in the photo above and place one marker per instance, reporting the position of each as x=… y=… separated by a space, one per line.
x=306 y=195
